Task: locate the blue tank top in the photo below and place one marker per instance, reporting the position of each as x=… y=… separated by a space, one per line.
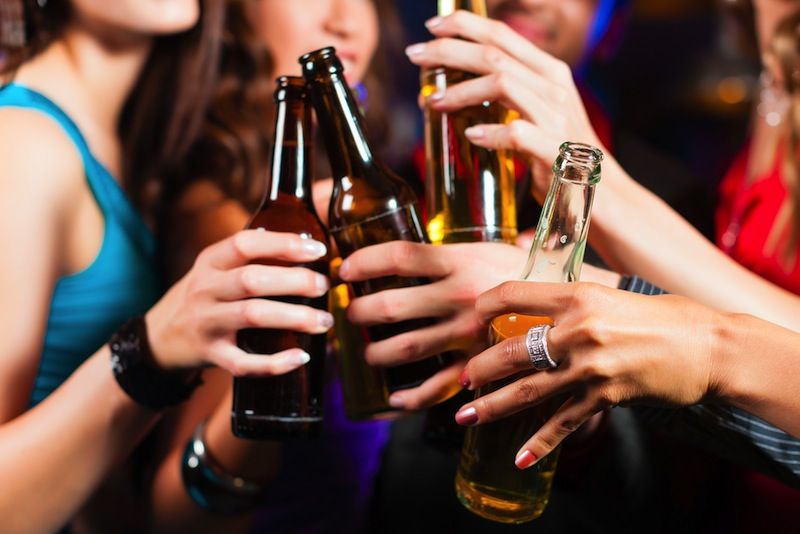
x=88 y=306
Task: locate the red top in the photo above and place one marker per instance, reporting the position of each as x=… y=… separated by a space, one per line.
x=745 y=217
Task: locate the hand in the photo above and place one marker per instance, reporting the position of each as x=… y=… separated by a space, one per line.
x=516 y=73
x=611 y=347
x=195 y=323
x=460 y=273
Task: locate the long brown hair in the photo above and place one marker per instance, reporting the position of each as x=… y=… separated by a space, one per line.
x=164 y=112
x=233 y=149
x=785 y=46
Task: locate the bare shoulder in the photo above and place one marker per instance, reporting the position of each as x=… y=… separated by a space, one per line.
x=38 y=156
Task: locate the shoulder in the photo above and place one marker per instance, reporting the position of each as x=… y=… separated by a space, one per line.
x=39 y=158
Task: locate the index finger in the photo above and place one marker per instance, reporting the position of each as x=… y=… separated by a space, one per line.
x=251 y=245
x=401 y=258
x=487 y=31
x=526 y=298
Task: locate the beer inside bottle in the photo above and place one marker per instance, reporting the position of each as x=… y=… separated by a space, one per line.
x=470 y=190
x=289 y=405
x=366 y=395
x=488 y=482
x=369 y=204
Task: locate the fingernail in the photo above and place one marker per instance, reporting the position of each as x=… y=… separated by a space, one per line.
x=467 y=416
x=322 y=283
x=303 y=358
x=325 y=319
x=474 y=132
x=438 y=95
x=396 y=401
x=415 y=49
x=344 y=269
x=525 y=459
x=464 y=379
x=314 y=248
x=433 y=22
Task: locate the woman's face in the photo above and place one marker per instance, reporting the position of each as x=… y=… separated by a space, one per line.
x=291 y=28
x=138 y=17
x=559 y=27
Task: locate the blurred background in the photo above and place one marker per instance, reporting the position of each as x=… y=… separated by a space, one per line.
x=682 y=78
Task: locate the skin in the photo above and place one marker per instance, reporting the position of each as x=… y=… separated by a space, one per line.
x=614 y=347
x=89 y=72
x=288 y=29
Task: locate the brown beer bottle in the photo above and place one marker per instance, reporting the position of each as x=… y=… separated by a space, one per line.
x=487 y=482
x=290 y=405
x=370 y=204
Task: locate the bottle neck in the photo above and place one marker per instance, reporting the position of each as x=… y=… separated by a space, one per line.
x=342 y=126
x=447 y=7
x=292 y=152
x=558 y=248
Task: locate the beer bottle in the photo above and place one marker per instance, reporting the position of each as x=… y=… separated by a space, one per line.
x=487 y=482
x=470 y=190
x=370 y=204
x=290 y=405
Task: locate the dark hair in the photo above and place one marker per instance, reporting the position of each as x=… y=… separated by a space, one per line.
x=233 y=149
x=164 y=112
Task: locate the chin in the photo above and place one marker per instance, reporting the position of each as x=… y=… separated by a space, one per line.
x=166 y=17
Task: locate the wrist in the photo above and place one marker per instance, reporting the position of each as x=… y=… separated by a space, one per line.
x=725 y=331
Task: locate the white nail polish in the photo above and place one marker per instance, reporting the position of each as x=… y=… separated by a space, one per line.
x=303 y=358
x=416 y=49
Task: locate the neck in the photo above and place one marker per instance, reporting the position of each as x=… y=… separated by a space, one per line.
x=105 y=66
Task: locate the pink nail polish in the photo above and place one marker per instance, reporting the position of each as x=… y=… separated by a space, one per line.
x=525 y=459
x=396 y=401
x=467 y=416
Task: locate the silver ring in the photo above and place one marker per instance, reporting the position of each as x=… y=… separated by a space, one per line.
x=538 y=354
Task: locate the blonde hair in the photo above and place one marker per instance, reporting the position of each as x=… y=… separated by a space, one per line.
x=785 y=46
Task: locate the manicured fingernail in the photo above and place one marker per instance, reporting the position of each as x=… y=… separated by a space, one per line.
x=467 y=416
x=303 y=358
x=464 y=379
x=438 y=95
x=314 y=248
x=474 y=132
x=397 y=401
x=344 y=270
x=325 y=319
x=415 y=49
x=322 y=283
x=525 y=459
x=432 y=23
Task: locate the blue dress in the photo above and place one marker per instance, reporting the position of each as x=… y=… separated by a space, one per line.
x=88 y=306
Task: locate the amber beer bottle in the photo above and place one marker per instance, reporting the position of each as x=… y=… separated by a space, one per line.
x=370 y=204
x=487 y=482
x=290 y=405
x=470 y=190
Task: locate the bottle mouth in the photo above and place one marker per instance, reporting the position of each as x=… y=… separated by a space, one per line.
x=289 y=88
x=578 y=163
x=320 y=62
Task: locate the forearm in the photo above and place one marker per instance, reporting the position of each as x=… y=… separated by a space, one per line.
x=755 y=369
x=637 y=233
x=54 y=456
x=173 y=510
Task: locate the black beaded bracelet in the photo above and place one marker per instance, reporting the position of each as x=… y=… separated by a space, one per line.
x=634 y=284
x=138 y=375
x=210 y=486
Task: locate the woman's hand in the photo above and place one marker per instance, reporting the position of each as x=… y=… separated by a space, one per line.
x=460 y=273
x=195 y=323
x=516 y=73
x=611 y=347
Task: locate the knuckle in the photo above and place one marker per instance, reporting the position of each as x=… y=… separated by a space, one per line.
x=493 y=57
x=408 y=348
x=507 y=294
x=516 y=134
x=502 y=82
x=528 y=391
x=388 y=311
x=401 y=252
x=485 y=409
x=510 y=352
x=548 y=441
x=241 y=244
x=250 y=312
x=247 y=279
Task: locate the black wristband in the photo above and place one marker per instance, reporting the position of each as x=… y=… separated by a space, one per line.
x=634 y=284
x=138 y=375
x=210 y=487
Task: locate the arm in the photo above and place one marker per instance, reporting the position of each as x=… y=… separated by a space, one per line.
x=613 y=347
x=664 y=248
x=55 y=455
